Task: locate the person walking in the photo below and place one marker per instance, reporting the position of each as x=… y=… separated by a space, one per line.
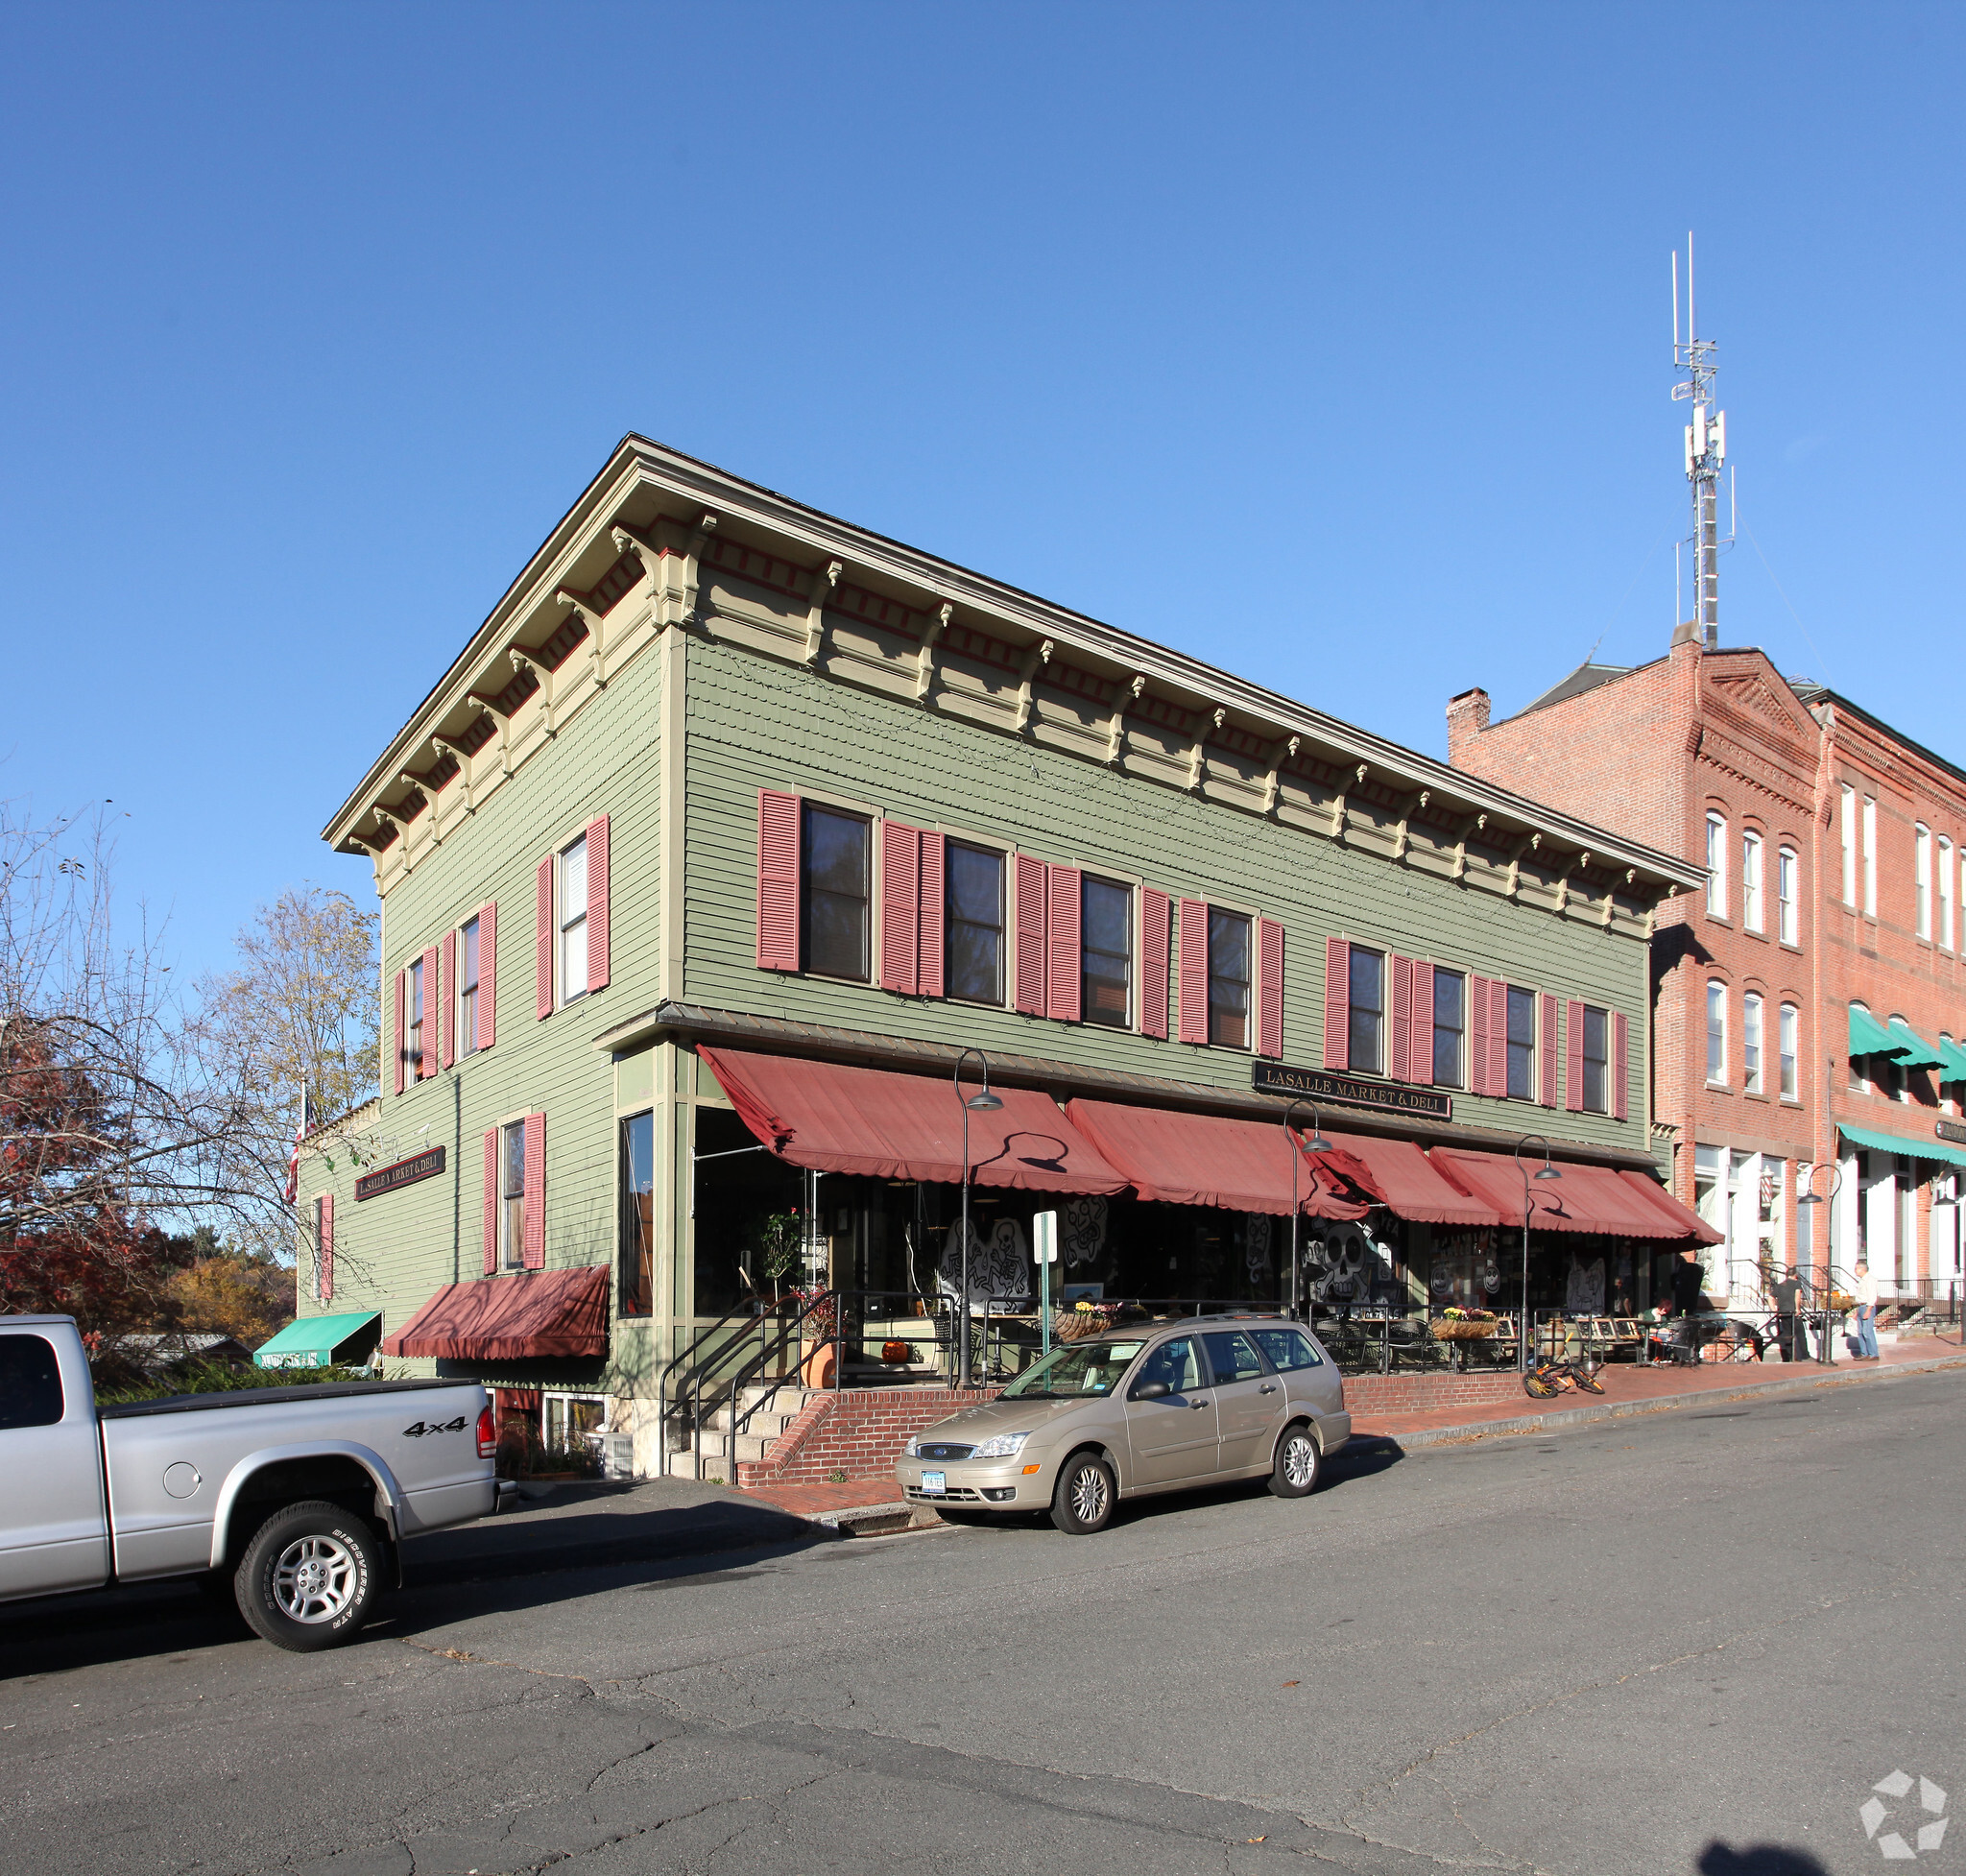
x=1782 y=1294
x=1688 y=1301
x=1864 y=1287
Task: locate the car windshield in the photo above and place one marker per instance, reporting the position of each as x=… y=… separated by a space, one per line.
x=1081 y=1368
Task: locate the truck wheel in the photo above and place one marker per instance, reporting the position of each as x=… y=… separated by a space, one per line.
x=309 y=1577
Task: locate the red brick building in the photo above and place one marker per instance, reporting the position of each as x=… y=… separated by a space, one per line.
x=1806 y=1009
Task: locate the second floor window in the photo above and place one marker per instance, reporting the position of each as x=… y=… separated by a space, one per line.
x=1229 y=978
x=413 y=1027
x=1751 y=1043
x=1945 y=891
x=512 y=1195
x=468 y=989
x=972 y=929
x=1716 y=866
x=1522 y=1045
x=1106 y=952
x=1847 y=812
x=1450 y=1026
x=1786 y=1038
x=1716 y=1032
x=1921 y=861
x=1596 y=1061
x=1367 y=1012
x=1870 y=857
x=572 y=888
x=1786 y=911
x=833 y=856
x=1751 y=881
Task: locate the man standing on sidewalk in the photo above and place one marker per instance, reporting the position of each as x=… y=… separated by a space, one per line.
x=1865 y=1314
x=1782 y=1294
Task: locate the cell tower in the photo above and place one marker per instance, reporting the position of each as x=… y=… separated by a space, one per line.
x=1705 y=452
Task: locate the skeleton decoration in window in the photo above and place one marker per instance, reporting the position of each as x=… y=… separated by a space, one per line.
x=1001 y=1267
x=1256 y=1246
x=1584 y=1287
x=1342 y=1264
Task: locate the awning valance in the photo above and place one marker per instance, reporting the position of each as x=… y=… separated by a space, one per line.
x=1870 y=1037
x=1912 y=1049
x=1411 y=1184
x=527 y=1315
x=1917 y=1149
x=1954 y=1067
x=1590 y=1198
x=320 y=1341
x=1681 y=1220
x=834 y=1117
x=1204 y=1159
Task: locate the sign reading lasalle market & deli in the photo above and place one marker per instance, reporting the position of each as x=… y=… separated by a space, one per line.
x=1950 y=1130
x=1320 y=1085
x=404 y=1172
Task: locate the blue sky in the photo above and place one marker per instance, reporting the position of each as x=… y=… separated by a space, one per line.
x=1327 y=343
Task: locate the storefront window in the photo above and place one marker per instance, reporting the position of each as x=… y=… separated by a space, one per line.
x=1450 y=1026
x=746 y=1208
x=636 y=1223
x=1229 y=978
x=1367 y=1010
x=573 y=1419
x=973 y=928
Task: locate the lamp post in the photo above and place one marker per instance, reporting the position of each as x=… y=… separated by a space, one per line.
x=1825 y=1354
x=1316 y=1143
x=1547 y=1171
x=983 y=1101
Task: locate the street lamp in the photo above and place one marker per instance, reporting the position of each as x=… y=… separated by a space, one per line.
x=981 y=1102
x=1316 y=1143
x=1548 y=1171
x=1825 y=1354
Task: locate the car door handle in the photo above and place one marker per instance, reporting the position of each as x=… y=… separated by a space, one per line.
x=1268 y=1388
x=1197 y=1405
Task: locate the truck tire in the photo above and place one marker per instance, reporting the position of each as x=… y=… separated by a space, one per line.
x=309 y=1577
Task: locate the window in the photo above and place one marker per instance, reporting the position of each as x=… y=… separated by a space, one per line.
x=1367 y=1014
x=1751 y=882
x=571 y=883
x=972 y=925
x=1922 y=862
x=1849 y=817
x=30 y=1382
x=1287 y=1349
x=1751 y=1043
x=1596 y=1061
x=1870 y=857
x=1895 y=1079
x=1229 y=979
x=1945 y=891
x=1522 y=1045
x=512 y=1195
x=1106 y=955
x=1786 y=924
x=572 y=1420
x=637 y=1221
x=1175 y=1362
x=1232 y=1357
x=834 y=856
x=413 y=1029
x=1450 y=1026
x=323 y=1290
x=1858 y=1084
x=1786 y=1042
x=1716 y=866
x=467 y=991
x=1716 y=1031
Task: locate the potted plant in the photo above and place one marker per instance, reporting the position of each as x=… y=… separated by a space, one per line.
x=776 y=1241
x=819 y=1354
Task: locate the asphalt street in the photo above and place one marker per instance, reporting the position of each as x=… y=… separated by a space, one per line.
x=1690 y=1642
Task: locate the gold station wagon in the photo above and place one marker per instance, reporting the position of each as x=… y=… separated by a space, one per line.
x=1157 y=1408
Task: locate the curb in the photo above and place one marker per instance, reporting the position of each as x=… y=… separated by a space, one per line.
x=1579 y=1416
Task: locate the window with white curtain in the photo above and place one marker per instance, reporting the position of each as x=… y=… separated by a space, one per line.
x=1870 y=857
x=1787 y=921
x=1921 y=851
x=1945 y=892
x=1849 y=815
x=1716 y=866
x=1787 y=1043
x=1751 y=881
x=1751 y=1043
x=1716 y=1031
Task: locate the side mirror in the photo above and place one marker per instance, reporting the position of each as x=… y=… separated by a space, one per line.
x=1150 y=1391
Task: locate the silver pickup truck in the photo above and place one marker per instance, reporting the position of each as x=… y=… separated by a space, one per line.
x=295 y=1498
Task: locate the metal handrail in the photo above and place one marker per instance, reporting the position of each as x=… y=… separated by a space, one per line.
x=743 y=1311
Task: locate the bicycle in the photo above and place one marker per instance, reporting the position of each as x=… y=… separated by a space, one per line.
x=1546 y=1380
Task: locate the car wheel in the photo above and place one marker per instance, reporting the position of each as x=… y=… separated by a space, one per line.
x=309 y=1578
x=1294 y=1475
x=1081 y=1501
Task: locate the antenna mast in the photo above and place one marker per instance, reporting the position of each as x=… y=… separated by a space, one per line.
x=1705 y=452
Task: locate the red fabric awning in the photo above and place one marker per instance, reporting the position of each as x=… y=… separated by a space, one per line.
x=1203 y=1159
x=1681 y=1220
x=1586 y=1198
x=1411 y=1184
x=529 y=1314
x=836 y=1118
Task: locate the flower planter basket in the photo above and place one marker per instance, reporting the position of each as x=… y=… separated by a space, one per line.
x=1079 y=1325
x=1443 y=1331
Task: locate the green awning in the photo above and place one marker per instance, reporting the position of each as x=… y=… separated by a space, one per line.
x=320 y=1341
x=1917 y=1149
x=1870 y=1037
x=1955 y=1068
x=1913 y=1050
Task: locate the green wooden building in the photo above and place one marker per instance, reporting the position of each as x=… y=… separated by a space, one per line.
x=734 y=824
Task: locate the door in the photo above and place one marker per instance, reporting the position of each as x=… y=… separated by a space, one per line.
x=52 y=1530
x=1249 y=1401
x=1310 y=1382
x=1171 y=1438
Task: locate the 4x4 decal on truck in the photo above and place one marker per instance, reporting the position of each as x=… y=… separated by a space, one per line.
x=418 y=1431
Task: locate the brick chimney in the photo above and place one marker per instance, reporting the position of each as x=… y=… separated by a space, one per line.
x=1467 y=718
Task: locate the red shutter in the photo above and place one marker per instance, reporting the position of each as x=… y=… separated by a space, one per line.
x=1062 y=885
x=1194 y=967
x=1400 y=970
x=1269 y=1014
x=1030 y=936
x=1420 y=1058
x=536 y=1191
x=1156 y=909
x=934 y=912
x=487 y=975
x=327 y=1247
x=1545 y=1052
x=542 y=936
x=1498 y=1038
x=426 y=1066
x=396 y=1033
x=446 y=992
x=490 y=1194
x=598 y=936
x=1620 y=1066
x=901 y=907
x=777 y=880
x=1337 y=1003
x=1478 y=1035
x=1574 y=1056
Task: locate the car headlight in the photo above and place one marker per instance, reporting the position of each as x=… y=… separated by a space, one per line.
x=1005 y=1446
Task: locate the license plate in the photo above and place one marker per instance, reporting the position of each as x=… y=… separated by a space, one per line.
x=934 y=1482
